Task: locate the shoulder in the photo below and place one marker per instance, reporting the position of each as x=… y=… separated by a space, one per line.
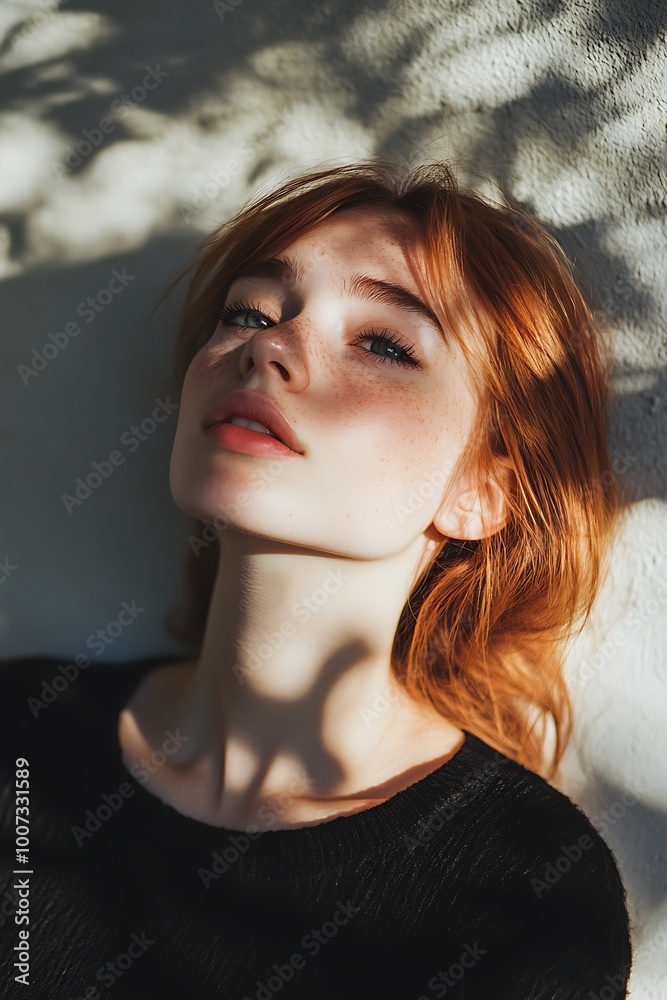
x=536 y=882
x=52 y=676
x=61 y=716
x=41 y=696
x=532 y=827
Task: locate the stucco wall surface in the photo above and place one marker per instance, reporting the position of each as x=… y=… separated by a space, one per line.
x=128 y=130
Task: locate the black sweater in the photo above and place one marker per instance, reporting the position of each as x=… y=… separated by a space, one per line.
x=478 y=881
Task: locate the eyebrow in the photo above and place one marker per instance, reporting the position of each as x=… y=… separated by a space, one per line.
x=363 y=286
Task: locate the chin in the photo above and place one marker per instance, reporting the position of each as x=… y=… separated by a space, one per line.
x=193 y=494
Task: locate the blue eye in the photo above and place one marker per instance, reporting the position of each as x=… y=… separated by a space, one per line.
x=237 y=309
x=395 y=352
x=405 y=355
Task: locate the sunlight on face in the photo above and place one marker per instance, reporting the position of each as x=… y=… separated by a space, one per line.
x=381 y=420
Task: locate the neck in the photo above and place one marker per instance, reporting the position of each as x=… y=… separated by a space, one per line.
x=293 y=683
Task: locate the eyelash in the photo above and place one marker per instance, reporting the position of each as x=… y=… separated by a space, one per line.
x=409 y=361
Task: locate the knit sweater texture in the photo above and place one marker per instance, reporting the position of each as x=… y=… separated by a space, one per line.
x=480 y=881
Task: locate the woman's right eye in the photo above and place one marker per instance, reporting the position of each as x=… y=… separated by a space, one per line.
x=236 y=309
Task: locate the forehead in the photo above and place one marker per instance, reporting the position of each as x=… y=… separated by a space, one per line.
x=388 y=225
x=362 y=235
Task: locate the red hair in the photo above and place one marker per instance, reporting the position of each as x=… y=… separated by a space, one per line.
x=481 y=636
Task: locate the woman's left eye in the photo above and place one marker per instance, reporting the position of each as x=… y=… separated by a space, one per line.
x=393 y=350
x=400 y=354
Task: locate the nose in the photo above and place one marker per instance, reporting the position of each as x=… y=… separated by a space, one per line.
x=277 y=352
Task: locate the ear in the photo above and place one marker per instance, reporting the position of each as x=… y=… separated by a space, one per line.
x=470 y=512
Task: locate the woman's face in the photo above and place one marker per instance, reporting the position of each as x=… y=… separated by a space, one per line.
x=379 y=430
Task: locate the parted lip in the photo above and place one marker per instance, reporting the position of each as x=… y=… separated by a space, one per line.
x=254 y=406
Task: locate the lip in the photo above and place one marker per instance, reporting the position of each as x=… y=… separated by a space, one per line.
x=254 y=406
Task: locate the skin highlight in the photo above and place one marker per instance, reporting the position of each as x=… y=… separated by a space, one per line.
x=482 y=635
x=372 y=430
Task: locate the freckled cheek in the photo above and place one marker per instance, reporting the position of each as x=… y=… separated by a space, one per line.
x=424 y=436
x=403 y=432
x=200 y=363
x=211 y=361
x=207 y=368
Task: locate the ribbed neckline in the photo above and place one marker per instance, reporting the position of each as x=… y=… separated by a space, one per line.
x=359 y=812
x=364 y=828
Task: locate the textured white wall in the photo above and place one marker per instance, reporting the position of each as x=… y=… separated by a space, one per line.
x=189 y=108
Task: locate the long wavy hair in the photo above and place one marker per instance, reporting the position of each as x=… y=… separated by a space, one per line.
x=482 y=636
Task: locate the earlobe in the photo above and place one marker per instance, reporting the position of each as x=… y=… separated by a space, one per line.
x=474 y=513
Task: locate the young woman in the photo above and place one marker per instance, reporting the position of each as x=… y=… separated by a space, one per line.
x=392 y=424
